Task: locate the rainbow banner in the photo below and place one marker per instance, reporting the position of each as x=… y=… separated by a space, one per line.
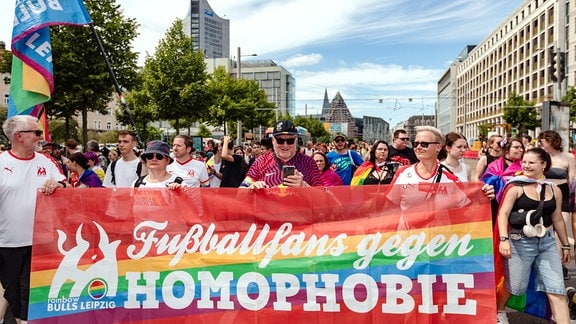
x=32 y=80
x=298 y=255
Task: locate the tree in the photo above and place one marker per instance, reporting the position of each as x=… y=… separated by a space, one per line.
x=570 y=97
x=521 y=114
x=175 y=78
x=483 y=131
x=6 y=62
x=82 y=81
x=141 y=109
x=204 y=131
x=58 y=130
x=237 y=100
x=314 y=126
x=110 y=136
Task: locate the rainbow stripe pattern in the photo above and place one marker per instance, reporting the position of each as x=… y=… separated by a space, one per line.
x=259 y=256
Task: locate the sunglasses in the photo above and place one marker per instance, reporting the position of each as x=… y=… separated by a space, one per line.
x=339 y=140
x=424 y=144
x=37 y=132
x=281 y=141
x=150 y=156
x=404 y=138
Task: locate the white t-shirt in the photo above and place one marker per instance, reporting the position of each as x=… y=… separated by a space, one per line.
x=19 y=183
x=192 y=171
x=214 y=181
x=124 y=173
x=412 y=190
x=163 y=184
x=463 y=173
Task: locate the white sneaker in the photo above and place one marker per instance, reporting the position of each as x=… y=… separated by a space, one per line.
x=502 y=317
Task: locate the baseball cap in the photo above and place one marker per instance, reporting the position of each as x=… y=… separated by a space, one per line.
x=285 y=127
x=337 y=135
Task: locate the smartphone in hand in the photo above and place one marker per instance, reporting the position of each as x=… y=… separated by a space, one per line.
x=287 y=170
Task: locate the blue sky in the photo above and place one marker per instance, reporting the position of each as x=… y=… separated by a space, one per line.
x=366 y=49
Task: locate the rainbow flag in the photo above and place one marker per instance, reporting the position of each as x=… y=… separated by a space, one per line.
x=32 y=80
x=311 y=255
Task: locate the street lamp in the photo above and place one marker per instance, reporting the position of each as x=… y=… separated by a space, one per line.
x=238 y=77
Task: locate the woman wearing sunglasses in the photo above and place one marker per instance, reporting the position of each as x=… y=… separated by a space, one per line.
x=429 y=141
x=156 y=157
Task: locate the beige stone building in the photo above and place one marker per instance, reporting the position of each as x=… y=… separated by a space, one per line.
x=515 y=58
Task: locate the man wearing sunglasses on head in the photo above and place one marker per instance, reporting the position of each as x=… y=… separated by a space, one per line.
x=342 y=160
x=266 y=171
x=400 y=151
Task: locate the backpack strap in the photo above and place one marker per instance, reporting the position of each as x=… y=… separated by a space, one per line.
x=112 y=166
x=139 y=182
x=351 y=159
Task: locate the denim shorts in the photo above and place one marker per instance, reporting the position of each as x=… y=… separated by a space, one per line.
x=537 y=254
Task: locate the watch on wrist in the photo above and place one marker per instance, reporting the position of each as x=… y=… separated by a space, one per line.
x=503 y=238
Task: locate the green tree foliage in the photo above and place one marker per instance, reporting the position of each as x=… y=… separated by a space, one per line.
x=81 y=77
x=314 y=126
x=521 y=114
x=58 y=130
x=570 y=97
x=483 y=131
x=175 y=78
x=6 y=62
x=140 y=108
x=237 y=100
x=108 y=137
x=204 y=131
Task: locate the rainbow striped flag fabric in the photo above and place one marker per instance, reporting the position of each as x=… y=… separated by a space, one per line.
x=312 y=255
x=32 y=79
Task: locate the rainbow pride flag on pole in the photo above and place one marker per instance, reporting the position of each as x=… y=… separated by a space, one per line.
x=293 y=255
x=32 y=80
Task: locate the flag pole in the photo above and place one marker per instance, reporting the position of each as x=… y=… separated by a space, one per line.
x=117 y=86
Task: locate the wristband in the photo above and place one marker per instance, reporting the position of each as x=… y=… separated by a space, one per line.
x=566 y=247
x=62 y=183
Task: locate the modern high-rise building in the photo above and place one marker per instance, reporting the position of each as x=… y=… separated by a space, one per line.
x=517 y=57
x=210 y=33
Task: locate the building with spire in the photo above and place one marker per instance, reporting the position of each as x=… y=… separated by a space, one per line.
x=325 y=105
x=340 y=115
x=210 y=33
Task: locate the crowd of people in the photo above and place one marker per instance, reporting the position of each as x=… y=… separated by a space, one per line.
x=517 y=175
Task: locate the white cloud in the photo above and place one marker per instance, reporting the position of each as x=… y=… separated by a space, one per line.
x=302 y=60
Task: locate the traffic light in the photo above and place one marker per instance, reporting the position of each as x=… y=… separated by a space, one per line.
x=561 y=66
x=553 y=67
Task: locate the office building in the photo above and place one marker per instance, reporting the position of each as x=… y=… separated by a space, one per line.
x=515 y=58
x=211 y=33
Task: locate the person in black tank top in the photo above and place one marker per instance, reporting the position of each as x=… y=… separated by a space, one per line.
x=521 y=252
